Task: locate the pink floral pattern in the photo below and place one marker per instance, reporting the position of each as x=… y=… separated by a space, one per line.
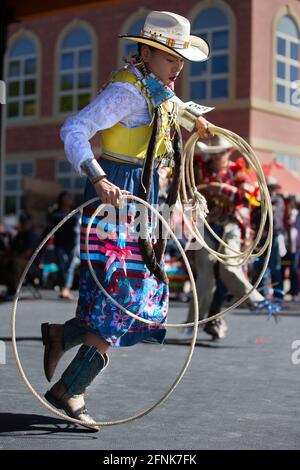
x=133 y=287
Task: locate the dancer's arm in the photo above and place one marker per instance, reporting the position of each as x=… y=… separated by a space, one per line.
x=190 y=114
x=112 y=105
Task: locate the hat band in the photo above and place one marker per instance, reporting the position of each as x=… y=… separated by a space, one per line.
x=165 y=40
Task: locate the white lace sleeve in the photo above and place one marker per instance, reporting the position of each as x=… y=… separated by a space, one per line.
x=112 y=105
x=180 y=109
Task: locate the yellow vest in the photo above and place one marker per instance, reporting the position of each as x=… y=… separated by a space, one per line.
x=133 y=142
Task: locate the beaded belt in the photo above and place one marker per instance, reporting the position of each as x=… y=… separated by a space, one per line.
x=127 y=159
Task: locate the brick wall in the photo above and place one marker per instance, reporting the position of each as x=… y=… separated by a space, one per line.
x=253 y=69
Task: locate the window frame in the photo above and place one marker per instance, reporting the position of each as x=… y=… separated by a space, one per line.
x=19 y=192
x=75 y=72
x=93 y=69
x=286 y=160
x=21 y=78
x=209 y=76
x=71 y=174
x=287 y=60
x=194 y=13
x=140 y=14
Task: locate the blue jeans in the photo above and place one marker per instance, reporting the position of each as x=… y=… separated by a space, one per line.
x=293 y=259
x=273 y=270
x=67 y=262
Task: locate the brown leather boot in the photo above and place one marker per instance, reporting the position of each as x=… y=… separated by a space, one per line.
x=73 y=406
x=58 y=339
x=68 y=393
x=52 y=336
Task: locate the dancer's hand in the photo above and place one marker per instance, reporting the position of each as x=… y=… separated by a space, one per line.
x=202 y=127
x=108 y=192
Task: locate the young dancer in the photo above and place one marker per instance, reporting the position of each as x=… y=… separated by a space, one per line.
x=138 y=118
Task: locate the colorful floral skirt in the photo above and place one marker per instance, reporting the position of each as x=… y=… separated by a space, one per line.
x=118 y=264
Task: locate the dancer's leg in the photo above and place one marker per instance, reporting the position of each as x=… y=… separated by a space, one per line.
x=58 y=339
x=68 y=392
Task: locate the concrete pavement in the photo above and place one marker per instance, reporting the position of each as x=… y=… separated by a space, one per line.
x=240 y=393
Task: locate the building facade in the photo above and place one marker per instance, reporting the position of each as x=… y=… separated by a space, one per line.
x=55 y=64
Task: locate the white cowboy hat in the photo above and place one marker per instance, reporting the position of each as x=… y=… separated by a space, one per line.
x=171 y=33
x=214 y=144
x=272 y=181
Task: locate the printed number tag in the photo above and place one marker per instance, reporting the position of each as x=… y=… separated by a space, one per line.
x=197 y=109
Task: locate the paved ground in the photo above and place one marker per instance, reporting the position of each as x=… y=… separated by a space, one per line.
x=241 y=393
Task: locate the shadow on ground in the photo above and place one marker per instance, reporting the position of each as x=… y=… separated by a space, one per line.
x=217 y=344
x=32 y=424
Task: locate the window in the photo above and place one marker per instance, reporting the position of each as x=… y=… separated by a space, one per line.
x=209 y=80
x=287 y=61
x=14 y=174
x=22 y=80
x=134 y=30
x=75 y=71
x=290 y=162
x=70 y=180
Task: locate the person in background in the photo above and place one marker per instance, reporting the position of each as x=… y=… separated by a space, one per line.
x=6 y=237
x=230 y=194
x=291 y=259
x=66 y=242
x=297 y=227
x=278 y=250
x=17 y=255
